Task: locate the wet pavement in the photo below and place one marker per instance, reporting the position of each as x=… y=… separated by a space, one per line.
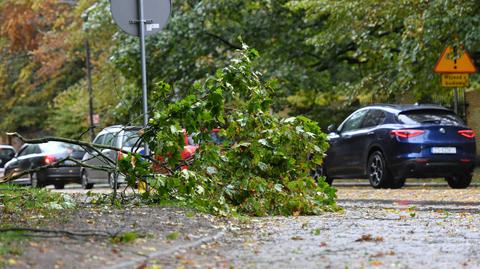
x=414 y=227
x=423 y=225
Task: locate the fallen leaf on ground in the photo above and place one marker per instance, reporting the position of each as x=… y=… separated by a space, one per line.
x=382 y=254
x=142 y=266
x=369 y=237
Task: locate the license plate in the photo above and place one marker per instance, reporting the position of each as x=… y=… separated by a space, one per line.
x=444 y=150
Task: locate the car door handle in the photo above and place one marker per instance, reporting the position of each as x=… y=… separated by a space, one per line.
x=370 y=133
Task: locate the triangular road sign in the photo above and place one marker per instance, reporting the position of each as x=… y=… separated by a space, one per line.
x=461 y=65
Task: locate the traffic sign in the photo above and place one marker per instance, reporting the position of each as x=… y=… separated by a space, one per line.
x=455 y=80
x=457 y=62
x=126 y=15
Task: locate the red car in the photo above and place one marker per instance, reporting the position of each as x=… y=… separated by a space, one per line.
x=188 y=151
x=186 y=154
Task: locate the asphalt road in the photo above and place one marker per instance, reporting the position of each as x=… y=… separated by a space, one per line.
x=341 y=184
x=414 y=227
x=418 y=226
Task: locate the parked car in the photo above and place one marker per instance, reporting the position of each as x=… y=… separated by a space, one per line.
x=31 y=156
x=6 y=154
x=117 y=136
x=389 y=143
x=186 y=155
x=126 y=138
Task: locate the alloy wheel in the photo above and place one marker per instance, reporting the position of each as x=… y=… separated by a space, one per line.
x=111 y=180
x=376 y=170
x=85 y=184
x=34 y=180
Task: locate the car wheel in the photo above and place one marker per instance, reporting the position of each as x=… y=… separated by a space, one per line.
x=378 y=174
x=34 y=180
x=84 y=181
x=318 y=172
x=111 y=180
x=459 y=182
x=59 y=186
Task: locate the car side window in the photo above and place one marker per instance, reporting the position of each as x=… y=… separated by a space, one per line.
x=99 y=139
x=35 y=149
x=109 y=139
x=23 y=151
x=374 y=118
x=29 y=149
x=354 y=122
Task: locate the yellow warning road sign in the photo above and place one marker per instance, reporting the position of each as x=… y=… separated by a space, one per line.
x=458 y=62
x=455 y=80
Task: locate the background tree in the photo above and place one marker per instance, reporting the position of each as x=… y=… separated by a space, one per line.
x=327 y=57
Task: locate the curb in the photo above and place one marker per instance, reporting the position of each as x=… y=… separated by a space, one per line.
x=366 y=184
x=134 y=263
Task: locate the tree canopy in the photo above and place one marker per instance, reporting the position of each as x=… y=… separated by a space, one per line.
x=326 y=56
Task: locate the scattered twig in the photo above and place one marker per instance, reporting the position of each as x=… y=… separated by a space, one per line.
x=60 y=232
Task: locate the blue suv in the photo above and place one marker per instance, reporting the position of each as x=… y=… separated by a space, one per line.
x=389 y=143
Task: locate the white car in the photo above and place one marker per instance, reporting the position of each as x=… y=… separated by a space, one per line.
x=118 y=136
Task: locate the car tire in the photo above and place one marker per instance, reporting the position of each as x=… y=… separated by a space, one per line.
x=84 y=182
x=397 y=183
x=111 y=180
x=459 y=182
x=34 y=180
x=59 y=186
x=377 y=171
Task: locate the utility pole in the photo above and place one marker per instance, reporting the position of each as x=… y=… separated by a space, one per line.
x=90 y=90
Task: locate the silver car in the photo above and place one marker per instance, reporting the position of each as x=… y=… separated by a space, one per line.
x=118 y=136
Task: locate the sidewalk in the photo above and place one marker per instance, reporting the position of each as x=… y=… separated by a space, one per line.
x=161 y=231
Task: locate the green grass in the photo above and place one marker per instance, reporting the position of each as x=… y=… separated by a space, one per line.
x=27 y=207
x=173 y=236
x=124 y=238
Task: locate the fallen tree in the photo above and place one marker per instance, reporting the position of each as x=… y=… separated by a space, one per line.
x=261 y=167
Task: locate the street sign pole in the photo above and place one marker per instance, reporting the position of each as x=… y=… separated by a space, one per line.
x=141 y=18
x=455 y=100
x=464 y=100
x=141 y=26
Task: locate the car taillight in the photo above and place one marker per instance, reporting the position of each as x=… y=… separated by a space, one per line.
x=407 y=133
x=49 y=159
x=119 y=155
x=467 y=133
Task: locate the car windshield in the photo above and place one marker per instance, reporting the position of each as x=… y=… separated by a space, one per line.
x=57 y=147
x=430 y=116
x=130 y=139
x=6 y=153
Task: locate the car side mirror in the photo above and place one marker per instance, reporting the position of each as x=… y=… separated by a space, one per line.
x=332 y=128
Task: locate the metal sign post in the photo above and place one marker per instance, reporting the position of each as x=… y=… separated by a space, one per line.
x=141 y=28
x=455 y=101
x=141 y=18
